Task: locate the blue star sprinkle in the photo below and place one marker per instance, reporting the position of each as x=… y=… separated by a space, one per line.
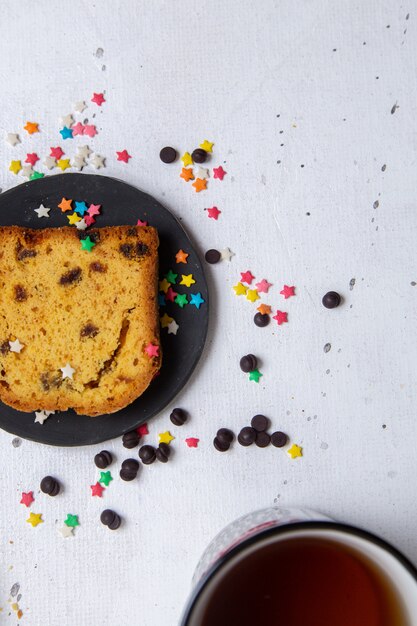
x=196 y=299
x=80 y=208
x=66 y=133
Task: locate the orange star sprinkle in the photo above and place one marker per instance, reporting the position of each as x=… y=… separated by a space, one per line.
x=31 y=127
x=181 y=256
x=264 y=309
x=65 y=205
x=187 y=174
x=200 y=184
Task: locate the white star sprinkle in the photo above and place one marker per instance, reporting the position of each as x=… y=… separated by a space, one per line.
x=80 y=106
x=41 y=416
x=16 y=346
x=67 y=371
x=50 y=162
x=42 y=211
x=27 y=170
x=202 y=172
x=84 y=151
x=81 y=225
x=97 y=161
x=172 y=328
x=226 y=254
x=66 y=531
x=67 y=120
x=78 y=162
x=12 y=139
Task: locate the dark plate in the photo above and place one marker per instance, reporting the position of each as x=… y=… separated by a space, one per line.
x=121 y=204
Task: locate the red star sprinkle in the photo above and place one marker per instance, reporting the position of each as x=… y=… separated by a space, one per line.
x=98 y=98
x=192 y=442
x=142 y=430
x=152 y=350
x=141 y=223
x=90 y=130
x=287 y=292
x=89 y=219
x=213 y=212
x=171 y=294
x=31 y=158
x=218 y=172
x=97 y=490
x=281 y=317
x=56 y=153
x=94 y=209
x=123 y=156
x=78 y=129
x=246 y=277
x=27 y=498
x=263 y=286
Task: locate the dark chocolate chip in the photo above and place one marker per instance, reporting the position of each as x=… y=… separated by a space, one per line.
x=147 y=454
x=199 y=155
x=93 y=234
x=247 y=436
x=4 y=347
x=127 y=475
x=261 y=320
x=168 y=154
x=50 y=486
x=262 y=439
x=131 y=439
x=115 y=523
x=248 y=363
x=132 y=232
x=130 y=465
x=96 y=266
x=72 y=276
x=225 y=435
x=50 y=380
x=133 y=251
x=279 y=439
x=331 y=300
x=89 y=330
x=221 y=446
x=163 y=452
x=25 y=253
x=107 y=517
x=259 y=422
x=20 y=294
x=212 y=256
x=178 y=417
x=103 y=459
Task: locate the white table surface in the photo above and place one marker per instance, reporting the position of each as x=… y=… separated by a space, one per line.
x=250 y=77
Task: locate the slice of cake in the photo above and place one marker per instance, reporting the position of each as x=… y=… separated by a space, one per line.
x=78 y=317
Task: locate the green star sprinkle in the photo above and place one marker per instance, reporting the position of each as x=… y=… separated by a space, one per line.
x=181 y=300
x=72 y=520
x=171 y=277
x=87 y=244
x=36 y=175
x=105 y=478
x=255 y=375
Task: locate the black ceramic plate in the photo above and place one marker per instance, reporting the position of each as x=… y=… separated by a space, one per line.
x=121 y=204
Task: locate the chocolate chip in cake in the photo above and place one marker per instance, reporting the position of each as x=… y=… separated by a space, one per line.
x=261 y=320
x=147 y=454
x=24 y=253
x=221 y=446
x=279 y=439
x=110 y=519
x=212 y=256
x=50 y=380
x=331 y=300
x=178 y=417
x=72 y=276
x=131 y=439
x=103 y=459
x=96 y=266
x=247 y=436
x=199 y=155
x=4 y=347
x=162 y=453
x=168 y=154
x=248 y=363
x=20 y=294
x=50 y=486
x=132 y=232
x=89 y=330
x=259 y=423
x=133 y=251
x=225 y=435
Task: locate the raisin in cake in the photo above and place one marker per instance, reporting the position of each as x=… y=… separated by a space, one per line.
x=95 y=311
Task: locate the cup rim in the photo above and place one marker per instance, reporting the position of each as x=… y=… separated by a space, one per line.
x=279 y=530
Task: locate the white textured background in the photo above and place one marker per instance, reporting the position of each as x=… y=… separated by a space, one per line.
x=177 y=73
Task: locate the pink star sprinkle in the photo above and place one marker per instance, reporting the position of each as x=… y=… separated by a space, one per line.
x=152 y=350
x=27 y=498
x=192 y=442
x=246 y=277
x=213 y=212
x=78 y=129
x=56 y=153
x=90 y=130
x=281 y=317
x=98 y=98
x=171 y=294
x=141 y=223
x=263 y=286
x=218 y=172
x=94 y=209
x=123 y=156
x=287 y=292
x=97 y=490
x=89 y=219
x=31 y=158
x=142 y=430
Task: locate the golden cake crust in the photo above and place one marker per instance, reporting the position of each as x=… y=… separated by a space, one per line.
x=95 y=310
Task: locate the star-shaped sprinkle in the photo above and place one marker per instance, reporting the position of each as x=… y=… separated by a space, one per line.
x=295 y=451
x=123 y=156
x=199 y=184
x=181 y=257
x=89 y=219
x=31 y=158
x=246 y=277
x=226 y=254
x=186 y=159
x=173 y=328
x=218 y=172
x=80 y=207
x=56 y=153
x=84 y=151
x=78 y=162
x=71 y=521
x=35 y=175
x=165 y=437
x=105 y=478
x=287 y=291
x=15 y=167
x=164 y=285
x=27 y=170
x=171 y=277
x=67 y=120
x=87 y=244
x=170 y=295
x=187 y=174
x=141 y=223
x=27 y=498
x=97 y=161
x=252 y=295
x=263 y=286
x=13 y=139
x=42 y=211
x=240 y=289
x=264 y=309
x=281 y=317
x=213 y=212
x=66 y=133
x=207 y=145
x=63 y=164
x=67 y=371
x=255 y=375
x=181 y=299
x=97 y=490
x=73 y=218
x=152 y=350
x=41 y=416
x=16 y=346
x=65 y=205
x=187 y=280
x=80 y=106
x=90 y=130
x=82 y=225
x=202 y=172
x=66 y=531
x=94 y=209
x=31 y=127
x=142 y=430
x=34 y=519
x=98 y=99
x=49 y=162
x=165 y=320
x=196 y=299
x=78 y=129
x=192 y=442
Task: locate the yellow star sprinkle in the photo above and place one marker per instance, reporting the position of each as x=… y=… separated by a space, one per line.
x=63 y=164
x=187 y=280
x=165 y=320
x=164 y=285
x=207 y=145
x=165 y=437
x=295 y=451
x=15 y=167
x=240 y=289
x=34 y=519
x=73 y=218
x=187 y=159
x=252 y=295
